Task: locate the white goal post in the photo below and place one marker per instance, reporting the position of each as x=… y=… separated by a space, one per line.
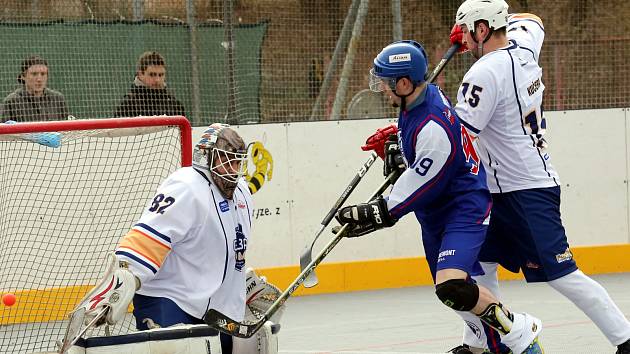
x=69 y=190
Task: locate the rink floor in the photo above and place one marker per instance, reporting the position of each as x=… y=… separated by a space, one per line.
x=411 y=320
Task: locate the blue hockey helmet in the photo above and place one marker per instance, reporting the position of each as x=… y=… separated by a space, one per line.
x=400 y=59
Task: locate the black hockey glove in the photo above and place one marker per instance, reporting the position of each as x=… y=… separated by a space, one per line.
x=394 y=161
x=365 y=218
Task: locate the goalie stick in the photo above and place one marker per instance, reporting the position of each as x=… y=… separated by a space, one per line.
x=221 y=322
x=74 y=331
x=307 y=254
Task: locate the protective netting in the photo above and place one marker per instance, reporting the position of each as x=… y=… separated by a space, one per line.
x=62 y=209
x=276 y=70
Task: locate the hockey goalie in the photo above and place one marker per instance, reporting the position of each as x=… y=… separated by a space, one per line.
x=185 y=255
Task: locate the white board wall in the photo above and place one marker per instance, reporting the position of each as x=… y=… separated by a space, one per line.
x=315 y=161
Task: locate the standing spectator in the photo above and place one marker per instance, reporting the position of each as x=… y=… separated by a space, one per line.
x=148 y=95
x=33 y=101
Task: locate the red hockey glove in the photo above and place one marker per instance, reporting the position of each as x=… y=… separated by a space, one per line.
x=376 y=141
x=457 y=36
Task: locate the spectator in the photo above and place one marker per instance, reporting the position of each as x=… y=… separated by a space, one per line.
x=34 y=101
x=148 y=95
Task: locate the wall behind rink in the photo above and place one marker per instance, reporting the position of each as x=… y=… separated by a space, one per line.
x=313 y=162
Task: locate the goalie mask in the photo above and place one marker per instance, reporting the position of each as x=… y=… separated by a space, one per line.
x=222 y=152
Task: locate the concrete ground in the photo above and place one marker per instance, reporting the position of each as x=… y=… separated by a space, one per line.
x=412 y=320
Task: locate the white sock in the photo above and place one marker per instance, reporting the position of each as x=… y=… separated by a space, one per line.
x=594 y=301
x=474 y=335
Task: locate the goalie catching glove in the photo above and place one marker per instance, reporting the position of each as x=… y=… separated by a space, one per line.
x=365 y=218
x=114 y=291
x=259 y=296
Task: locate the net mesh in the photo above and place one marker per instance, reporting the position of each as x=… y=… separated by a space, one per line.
x=61 y=211
x=248 y=61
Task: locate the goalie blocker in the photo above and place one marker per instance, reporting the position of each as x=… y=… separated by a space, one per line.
x=182 y=339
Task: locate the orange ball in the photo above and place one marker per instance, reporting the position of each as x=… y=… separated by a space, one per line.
x=8 y=299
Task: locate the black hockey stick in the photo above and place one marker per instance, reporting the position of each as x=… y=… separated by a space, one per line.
x=445 y=59
x=219 y=321
x=307 y=254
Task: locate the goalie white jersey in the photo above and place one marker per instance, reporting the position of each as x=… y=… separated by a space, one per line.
x=500 y=100
x=189 y=245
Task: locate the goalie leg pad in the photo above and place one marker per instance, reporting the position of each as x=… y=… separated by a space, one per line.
x=265 y=341
x=178 y=339
x=458 y=294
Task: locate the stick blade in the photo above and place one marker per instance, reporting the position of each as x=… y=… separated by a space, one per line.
x=306 y=259
x=221 y=322
x=73 y=330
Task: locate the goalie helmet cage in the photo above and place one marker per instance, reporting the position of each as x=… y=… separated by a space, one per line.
x=69 y=190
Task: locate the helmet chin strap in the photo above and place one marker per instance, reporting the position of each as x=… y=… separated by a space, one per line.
x=480 y=44
x=403 y=98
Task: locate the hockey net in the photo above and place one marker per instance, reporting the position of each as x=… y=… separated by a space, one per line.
x=68 y=192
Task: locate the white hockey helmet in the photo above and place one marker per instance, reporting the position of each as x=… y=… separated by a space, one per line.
x=222 y=152
x=493 y=11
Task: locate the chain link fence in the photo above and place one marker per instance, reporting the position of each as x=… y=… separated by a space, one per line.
x=261 y=61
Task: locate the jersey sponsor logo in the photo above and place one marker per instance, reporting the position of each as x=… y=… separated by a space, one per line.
x=241 y=204
x=397 y=58
x=531 y=89
x=224 y=206
x=240 y=246
x=563 y=257
x=444 y=254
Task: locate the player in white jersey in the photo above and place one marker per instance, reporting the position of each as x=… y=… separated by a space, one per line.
x=500 y=102
x=186 y=253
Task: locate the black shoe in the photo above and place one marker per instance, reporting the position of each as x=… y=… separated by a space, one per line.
x=462 y=349
x=624 y=348
x=465 y=349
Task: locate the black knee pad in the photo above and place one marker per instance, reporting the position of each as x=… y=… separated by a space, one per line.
x=458 y=294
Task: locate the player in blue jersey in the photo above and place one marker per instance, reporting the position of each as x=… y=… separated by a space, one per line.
x=500 y=103
x=440 y=179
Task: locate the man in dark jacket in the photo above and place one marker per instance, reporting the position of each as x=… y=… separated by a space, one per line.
x=148 y=95
x=33 y=101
